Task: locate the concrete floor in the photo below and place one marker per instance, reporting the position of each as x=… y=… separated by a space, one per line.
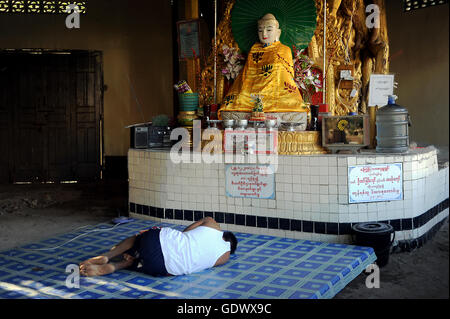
x=420 y=274
x=31 y=213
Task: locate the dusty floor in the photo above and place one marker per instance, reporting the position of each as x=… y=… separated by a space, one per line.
x=420 y=274
x=29 y=213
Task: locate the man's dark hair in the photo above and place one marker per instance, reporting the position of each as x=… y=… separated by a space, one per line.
x=229 y=236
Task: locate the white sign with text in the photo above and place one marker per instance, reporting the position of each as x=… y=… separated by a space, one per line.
x=250 y=181
x=375 y=183
x=380 y=87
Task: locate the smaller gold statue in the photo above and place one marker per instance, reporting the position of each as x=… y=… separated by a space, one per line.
x=258 y=109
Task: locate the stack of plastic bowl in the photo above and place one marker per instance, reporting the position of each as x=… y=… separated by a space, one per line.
x=188 y=111
x=188 y=108
x=188 y=101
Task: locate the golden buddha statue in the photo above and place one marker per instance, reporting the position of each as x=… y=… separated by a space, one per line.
x=269 y=73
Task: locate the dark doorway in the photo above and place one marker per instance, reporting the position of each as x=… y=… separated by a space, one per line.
x=51 y=105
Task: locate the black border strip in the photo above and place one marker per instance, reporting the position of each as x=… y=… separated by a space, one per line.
x=283 y=223
x=411 y=244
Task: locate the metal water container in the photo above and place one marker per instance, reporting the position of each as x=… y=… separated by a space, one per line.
x=392 y=128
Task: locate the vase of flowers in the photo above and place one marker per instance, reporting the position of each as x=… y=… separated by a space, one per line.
x=306 y=77
x=308 y=82
x=234 y=61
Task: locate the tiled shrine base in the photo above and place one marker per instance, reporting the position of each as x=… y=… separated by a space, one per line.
x=263 y=267
x=311 y=196
x=410 y=233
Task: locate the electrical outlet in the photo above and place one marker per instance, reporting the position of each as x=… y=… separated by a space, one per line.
x=346 y=75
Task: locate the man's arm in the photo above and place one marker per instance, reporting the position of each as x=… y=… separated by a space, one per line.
x=223 y=259
x=207 y=221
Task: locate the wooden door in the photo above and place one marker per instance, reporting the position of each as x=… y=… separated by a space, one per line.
x=59 y=94
x=88 y=114
x=27 y=103
x=51 y=105
x=5 y=121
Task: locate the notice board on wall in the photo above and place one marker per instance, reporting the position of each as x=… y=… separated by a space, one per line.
x=250 y=181
x=380 y=87
x=189 y=35
x=375 y=183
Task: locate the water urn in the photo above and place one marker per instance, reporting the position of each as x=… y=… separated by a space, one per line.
x=392 y=123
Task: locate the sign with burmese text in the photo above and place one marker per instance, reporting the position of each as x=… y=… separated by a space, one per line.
x=375 y=183
x=250 y=181
x=380 y=87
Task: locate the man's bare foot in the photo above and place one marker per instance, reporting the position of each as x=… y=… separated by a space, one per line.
x=99 y=260
x=90 y=270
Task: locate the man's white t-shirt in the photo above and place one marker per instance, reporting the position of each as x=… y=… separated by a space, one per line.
x=192 y=251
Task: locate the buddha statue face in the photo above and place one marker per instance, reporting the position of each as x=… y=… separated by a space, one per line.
x=269 y=29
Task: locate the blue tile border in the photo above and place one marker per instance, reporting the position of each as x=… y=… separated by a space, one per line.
x=301 y=225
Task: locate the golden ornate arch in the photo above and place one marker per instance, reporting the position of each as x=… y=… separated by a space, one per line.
x=350 y=43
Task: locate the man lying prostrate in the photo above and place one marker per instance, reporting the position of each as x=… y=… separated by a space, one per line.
x=167 y=251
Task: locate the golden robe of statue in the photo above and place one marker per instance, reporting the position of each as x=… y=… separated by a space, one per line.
x=268 y=72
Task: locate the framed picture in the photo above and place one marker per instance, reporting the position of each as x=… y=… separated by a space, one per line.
x=189 y=35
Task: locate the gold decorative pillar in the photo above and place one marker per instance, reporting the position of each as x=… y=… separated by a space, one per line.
x=350 y=44
x=372 y=127
x=224 y=36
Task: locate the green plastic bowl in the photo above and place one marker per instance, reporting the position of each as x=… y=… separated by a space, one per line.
x=188 y=109
x=188 y=101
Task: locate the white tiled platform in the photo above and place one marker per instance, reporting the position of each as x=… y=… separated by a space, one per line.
x=308 y=188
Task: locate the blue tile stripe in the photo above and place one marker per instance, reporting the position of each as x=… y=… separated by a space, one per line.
x=263 y=267
x=306 y=226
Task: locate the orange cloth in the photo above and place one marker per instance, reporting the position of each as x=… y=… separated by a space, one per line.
x=268 y=72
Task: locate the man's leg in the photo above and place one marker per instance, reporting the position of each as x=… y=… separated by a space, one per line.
x=90 y=270
x=114 y=252
x=122 y=247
